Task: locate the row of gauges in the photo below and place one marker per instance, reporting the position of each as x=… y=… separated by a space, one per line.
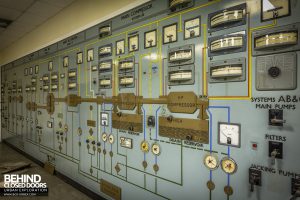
x=228 y=165
x=191 y=30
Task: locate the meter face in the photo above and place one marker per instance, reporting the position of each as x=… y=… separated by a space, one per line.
x=120 y=45
x=133 y=43
x=272 y=9
x=192 y=28
x=150 y=39
x=229 y=134
x=170 y=33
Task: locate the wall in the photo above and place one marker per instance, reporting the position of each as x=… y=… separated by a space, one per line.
x=78 y=16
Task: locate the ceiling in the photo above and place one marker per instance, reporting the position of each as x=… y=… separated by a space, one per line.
x=26 y=15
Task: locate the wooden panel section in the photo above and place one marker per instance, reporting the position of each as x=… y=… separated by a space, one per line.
x=110 y=189
x=129 y=122
x=184 y=129
x=182 y=102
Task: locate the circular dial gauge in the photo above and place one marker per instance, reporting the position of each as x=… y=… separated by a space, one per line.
x=111 y=139
x=211 y=161
x=228 y=165
x=145 y=146
x=104 y=137
x=155 y=149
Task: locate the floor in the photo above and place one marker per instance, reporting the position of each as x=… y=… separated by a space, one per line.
x=57 y=188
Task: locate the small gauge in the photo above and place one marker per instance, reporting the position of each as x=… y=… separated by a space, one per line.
x=133 y=43
x=211 y=161
x=36 y=69
x=66 y=61
x=104 y=137
x=192 y=28
x=228 y=165
x=272 y=9
x=170 y=33
x=111 y=139
x=145 y=146
x=155 y=149
x=150 y=39
x=229 y=134
x=90 y=55
x=79 y=58
x=120 y=45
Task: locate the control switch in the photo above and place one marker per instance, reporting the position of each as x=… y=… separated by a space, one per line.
x=254 y=178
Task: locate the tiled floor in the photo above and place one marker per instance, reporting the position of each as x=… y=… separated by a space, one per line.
x=58 y=190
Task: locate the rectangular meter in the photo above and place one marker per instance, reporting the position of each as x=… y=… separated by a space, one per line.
x=126 y=64
x=105 y=81
x=54 y=76
x=227 y=18
x=72 y=86
x=90 y=55
x=226 y=44
x=181 y=75
x=273 y=9
x=126 y=81
x=72 y=74
x=105 y=65
x=231 y=70
x=276 y=40
x=46 y=77
x=181 y=55
x=104 y=30
x=105 y=50
x=54 y=87
x=126 y=142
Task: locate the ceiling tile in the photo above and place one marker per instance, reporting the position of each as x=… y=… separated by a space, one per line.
x=43 y=9
x=16 y=4
x=58 y=3
x=29 y=19
x=7 y=13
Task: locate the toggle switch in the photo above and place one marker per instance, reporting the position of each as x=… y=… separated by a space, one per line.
x=275 y=151
x=276 y=117
x=254 y=178
x=295 y=189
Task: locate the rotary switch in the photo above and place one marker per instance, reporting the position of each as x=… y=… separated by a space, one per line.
x=274 y=72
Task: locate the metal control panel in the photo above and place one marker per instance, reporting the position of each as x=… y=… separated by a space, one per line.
x=174 y=99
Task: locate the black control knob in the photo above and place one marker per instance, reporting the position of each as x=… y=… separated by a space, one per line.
x=87 y=141
x=274 y=72
x=98 y=144
x=170 y=118
x=119 y=114
x=93 y=142
x=188 y=137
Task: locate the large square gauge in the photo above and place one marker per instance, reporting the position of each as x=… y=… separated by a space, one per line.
x=272 y=9
x=170 y=34
x=192 y=28
x=229 y=134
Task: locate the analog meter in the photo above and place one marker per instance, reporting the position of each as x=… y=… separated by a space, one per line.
x=211 y=161
x=228 y=165
x=145 y=146
x=192 y=28
x=150 y=39
x=170 y=33
x=229 y=134
x=155 y=149
x=120 y=45
x=272 y=9
x=104 y=137
x=133 y=43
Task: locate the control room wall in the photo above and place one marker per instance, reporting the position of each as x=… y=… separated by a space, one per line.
x=78 y=16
